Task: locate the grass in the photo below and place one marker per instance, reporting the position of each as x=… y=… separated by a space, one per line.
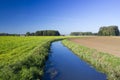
x=103 y=62
x=23 y=58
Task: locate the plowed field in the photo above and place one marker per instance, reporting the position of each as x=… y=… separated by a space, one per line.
x=103 y=44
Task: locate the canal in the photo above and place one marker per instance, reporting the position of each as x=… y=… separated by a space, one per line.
x=63 y=64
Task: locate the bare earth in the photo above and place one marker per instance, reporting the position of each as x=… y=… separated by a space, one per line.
x=104 y=44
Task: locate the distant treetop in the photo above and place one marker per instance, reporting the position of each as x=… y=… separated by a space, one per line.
x=81 y=33
x=108 y=31
x=44 y=33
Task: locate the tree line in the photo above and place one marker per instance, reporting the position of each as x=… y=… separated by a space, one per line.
x=103 y=31
x=82 y=33
x=44 y=33
x=37 y=33
x=109 y=31
x=7 y=34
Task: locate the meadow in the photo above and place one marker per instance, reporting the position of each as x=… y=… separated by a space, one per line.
x=23 y=58
x=103 y=62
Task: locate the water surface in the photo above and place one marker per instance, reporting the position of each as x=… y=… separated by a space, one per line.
x=65 y=65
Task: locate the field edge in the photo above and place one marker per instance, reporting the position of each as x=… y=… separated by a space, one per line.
x=103 y=62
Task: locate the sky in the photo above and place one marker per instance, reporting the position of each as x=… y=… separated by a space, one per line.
x=66 y=16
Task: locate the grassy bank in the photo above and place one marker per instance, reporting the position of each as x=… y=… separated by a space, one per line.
x=103 y=62
x=23 y=58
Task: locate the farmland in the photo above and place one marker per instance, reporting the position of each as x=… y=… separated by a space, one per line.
x=91 y=49
x=23 y=57
x=104 y=44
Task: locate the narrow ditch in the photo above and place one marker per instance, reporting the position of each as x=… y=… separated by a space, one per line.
x=63 y=64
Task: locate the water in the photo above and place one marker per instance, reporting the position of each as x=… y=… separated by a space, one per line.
x=64 y=65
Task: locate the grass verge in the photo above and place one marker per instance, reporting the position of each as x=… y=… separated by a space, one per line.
x=103 y=62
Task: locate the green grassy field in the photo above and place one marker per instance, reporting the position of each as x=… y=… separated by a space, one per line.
x=103 y=62
x=23 y=58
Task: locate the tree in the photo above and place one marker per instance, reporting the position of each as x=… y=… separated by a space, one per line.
x=108 y=31
x=47 y=33
x=39 y=33
x=28 y=34
x=7 y=34
x=81 y=33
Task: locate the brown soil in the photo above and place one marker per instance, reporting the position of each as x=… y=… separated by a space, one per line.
x=104 y=44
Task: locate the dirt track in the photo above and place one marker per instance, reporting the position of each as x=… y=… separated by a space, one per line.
x=104 y=44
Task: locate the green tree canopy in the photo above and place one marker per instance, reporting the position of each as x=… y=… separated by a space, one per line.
x=109 y=31
x=81 y=33
x=28 y=33
x=47 y=33
x=44 y=33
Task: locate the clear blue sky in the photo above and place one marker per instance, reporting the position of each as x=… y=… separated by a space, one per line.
x=20 y=16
